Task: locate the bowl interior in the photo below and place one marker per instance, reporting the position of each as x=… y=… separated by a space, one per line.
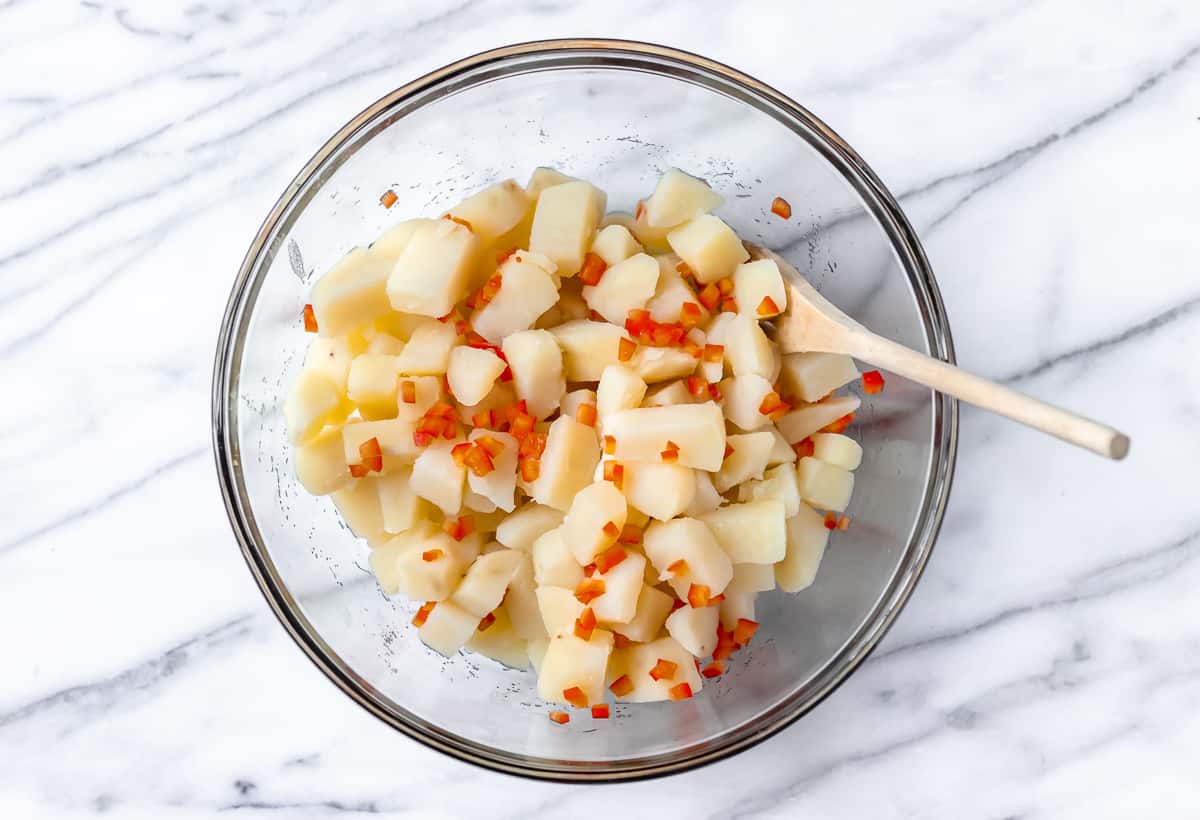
x=618 y=116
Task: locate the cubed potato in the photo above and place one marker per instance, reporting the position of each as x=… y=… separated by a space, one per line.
x=710 y=247
x=358 y=504
x=672 y=292
x=564 y=220
x=810 y=418
x=660 y=490
x=500 y=642
x=666 y=395
x=567 y=463
x=636 y=661
x=679 y=197
x=472 y=372
x=619 y=389
x=432 y=580
x=402 y=508
x=747 y=461
x=716 y=333
x=779 y=482
x=482 y=588
x=436 y=477
x=625 y=286
x=571 y=662
x=653 y=239
x=537 y=652
x=385 y=344
x=695 y=629
x=653 y=606
x=313 y=402
x=706 y=498
x=331 y=357
x=434 y=269
x=495 y=210
x=559 y=610
x=528 y=523
x=810 y=376
x=781 y=451
x=428 y=350
x=447 y=628
x=588 y=347
x=400 y=325
x=527 y=290
x=698 y=430
x=426 y=390
x=477 y=503
x=748 y=350
x=384 y=558
x=622 y=587
x=395 y=440
x=614 y=243
x=737 y=606
x=372 y=385
x=742 y=396
x=500 y=485
x=553 y=563
x=823 y=485
x=521 y=602
x=807 y=536
x=320 y=463
x=838 y=450
x=391 y=243
x=543 y=178
x=537 y=368
x=751 y=578
x=593 y=507
x=464 y=551
x=693 y=542
x=660 y=364
x=572 y=401
x=752 y=533
x=756 y=281
x=353 y=293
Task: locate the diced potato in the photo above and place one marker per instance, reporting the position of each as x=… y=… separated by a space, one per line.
x=742 y=396
x=752 y=533
x=464 y=551
x=385 y=344
x=614 y=243
x=553 y=563
x=660 y=364
x=400 y=325
x=665 y=395
x=392 y=242
x=781 y=451
x=660 y=490
x=693 y=542
x=779 y=482
x=654 y=239
x=395 y=440
x=384 y=558
x=482 y=588
x=559 y=610
x=570 y=662
x=706 y=497
x=810 y=376
x=567 y=463
x=428 y=350
x=500 y=642
x=838 y=450
x=625 y=286
x=672 y=292
x=352 y=294
x=435 y=580
x=372 y=385
x=736 y=606
x=679 y=197
x=313 y=402
x=564 y=220
x=320 y=463
x=427 y=391
x=358 y=503
x=543 y=178
x=572 y=401
x=495 y=210
x=402 y=508
x=331 y=358
x=695 y=629
x=447 y=628
x=521 y=602
x=537 y=368
x=748 y=350
x=592 y=508
x=588 y=347
x=527 y=290
x=755 y=281
x=751 y=578
x=807 y=536
x=500 y=485
x=636 y=661
x=622 y=587
x=717 y=333
x=434 y=269
x=710 y=247
x=810 y=418
x=471 y=373
x=520 y=529
x=698 y=430
x=824 y=485
x=437 y=478
x=653 y=606
x=747 y=461
x=619 y=389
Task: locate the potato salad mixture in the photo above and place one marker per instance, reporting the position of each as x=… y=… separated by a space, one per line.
x=565 y=434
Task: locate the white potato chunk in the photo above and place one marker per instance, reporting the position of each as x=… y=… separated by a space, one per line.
x=665 y=395
x=807 y=536
x=679 y=197
x=755 y=281
x=537 y=368
x=737 y=606
x=400 y=325
x=313 y=402
x=625 y=286
x=693 y=542
x=698 y=430
x=660 y=364
x=748 y=350
x=619 y=389
x=426 y=392
x=592 y=508
x=572 y=401
x=331 y=358
x=372 y=385
x=402 y=508
x=395 y=440
x=519 y=530
x=500 y=485
x=321 y=464
x=553 y=563
x=742 y=396
x=695 y=629
x=428 y=349
x=706 y=497
x=751 y=578
x=710 y=247
x=434 y=269
x=428 y=569
x=672 y=292
x=352 y=294
x=653 y=606
x=384 y=558
x=660 y=490
x=567 y=463
x=588 y=347
x=780 y=482
x=654 y=239
x=527 y=290
x=495 y=210
x=752 y=533
x=358 y=504
x=571 y=662
x=810 y=418
x=521 y=602
x=636 y=661
x=391 y=243
x=482 y=588
x=564 y=220
x=838 y=450
x=614 y=243
x=500 y=642
x=622 y=587
x=385 y=343
x=543 y=178
x=472 y=372
x=781 y=451
x=559 y=610
x=437 y=478
x=810 y=376
x=747 y=461
x=447 y=628
x=824 y=485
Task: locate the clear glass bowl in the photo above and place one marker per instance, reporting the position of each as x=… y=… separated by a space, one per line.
x=617 y=113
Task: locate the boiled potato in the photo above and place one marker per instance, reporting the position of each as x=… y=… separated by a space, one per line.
x=807 y=536
x=394 y=436
x=572 y=401
x=695 y=629
x=665 y=395
x=400 y=505
x=543 y=178
x=672 y=292
x=588 y=347
x=614 y=243
x=537 y=368
x=358 y=504
x=313 y=402
x=737 y=606
x=742 y=396
x=619 y=389
x=754 y=282
x=553 y=562
x=500 y=642
x=706 y=498
x=780 y=482
x=838 y=450
x=320 y=463
x=521 y=602
x=709 y=247
x=653 y=606
x=811 y=376
x=781 y=451
x=636 y=661
x=660 y=364
x=528 y=523
x=748 y=350
x=495 y=210
x=353 y=293
x=372 y=385
x=625 y=286
x=693 y=542
x=661 y=491
x=567 y=463
x=392 y=242
x=559 y=609
x=698 y=430
x=747 y=461
x=527 y=290
x=486 y=581
x=824 y=485
x=471 y=372
x=447 y=628
x=500 y=485
x=571 y=662
x=426 y=392
x=593 y=508
x=679 y=197
x=437 y=478
x=434 y=269
x=564 y=219
x=428 y=349
x=751 y=578
x=331 y=357
x=753 y=532
x=622 y=589
x=810 y=418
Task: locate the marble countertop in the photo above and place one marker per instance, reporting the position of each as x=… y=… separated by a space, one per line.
x=1049 y=663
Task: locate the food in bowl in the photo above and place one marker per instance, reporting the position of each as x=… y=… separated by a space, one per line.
x=566 y=434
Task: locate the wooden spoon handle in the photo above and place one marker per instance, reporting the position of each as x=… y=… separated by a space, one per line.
x=884 y=353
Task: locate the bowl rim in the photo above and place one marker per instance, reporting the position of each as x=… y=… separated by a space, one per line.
x=892 y=599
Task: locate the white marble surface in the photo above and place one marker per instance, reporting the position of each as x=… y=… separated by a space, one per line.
x=1049 y=664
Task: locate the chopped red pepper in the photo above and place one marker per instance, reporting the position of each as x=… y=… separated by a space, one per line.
x=575 y=696
x=621 y=687
x=839 y=425
x=630 y=534
x=610 y=445
x=679 y=567
x=588 y=590
x=680 y=692
x=729 y=305
x=710 y=296
x=502 y=256
x=479 y=461
x=728 y=451
x=533 y=445
x=830 y=520
x=664 y=670
x=310 y=319
x=773 y=405
x=408 y=392
x=489 y=444
x=586 y=414
x=615 y=473
x=610 y=558
x=600 y=711
x=625 y=349
x=699 y=595
x=589 y=570
x=780 y=207
x=713 y=353
x=559 y=717
x=486 y=621
x=611 y=529
x=690 y=314
x=371 y=454
x=593 y=269
x=697 y=386
x=585 y=623
x=359 y=470
x=388 y=199
x=620 y=641
x=531 y=468
x=843 y=522
x=804 y=447
x=767 y=307
x=460 y=221
x=423 y=613
x=743 y=630
x=725 y=285
x=459 y=528
x=713 y=670
x=872 y=381
x=429 y=556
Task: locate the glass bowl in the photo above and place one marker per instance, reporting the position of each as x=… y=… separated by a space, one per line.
x=617 y=113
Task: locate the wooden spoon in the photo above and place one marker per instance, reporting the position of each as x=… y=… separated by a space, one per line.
x=812 y=323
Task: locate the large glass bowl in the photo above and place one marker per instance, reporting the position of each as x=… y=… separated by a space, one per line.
x=617 y=113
